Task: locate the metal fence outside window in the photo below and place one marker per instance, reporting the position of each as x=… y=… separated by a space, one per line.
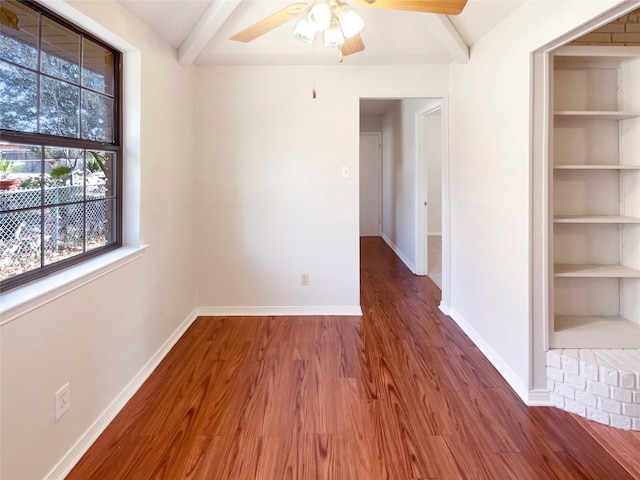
x=50 y=224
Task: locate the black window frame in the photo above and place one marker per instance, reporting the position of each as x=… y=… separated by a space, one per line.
x=45 y=140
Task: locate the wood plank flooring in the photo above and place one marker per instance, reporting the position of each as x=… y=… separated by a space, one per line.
x=623 y=445
x=399 y=394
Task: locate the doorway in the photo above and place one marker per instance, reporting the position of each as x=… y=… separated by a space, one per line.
x=413 y=153
x=429 y=160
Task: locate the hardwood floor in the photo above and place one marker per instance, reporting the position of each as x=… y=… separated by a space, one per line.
x=398 y=394
x=623 y=445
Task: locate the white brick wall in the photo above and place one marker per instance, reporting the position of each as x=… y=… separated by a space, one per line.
x=601 y=385
x=586 y=399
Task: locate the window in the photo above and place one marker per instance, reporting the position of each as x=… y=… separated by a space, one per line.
x=61 y=162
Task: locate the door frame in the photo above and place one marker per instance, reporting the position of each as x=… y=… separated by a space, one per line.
x=421 y=192
x=378 y=135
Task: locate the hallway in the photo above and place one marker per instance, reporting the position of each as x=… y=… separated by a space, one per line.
x=398 y=394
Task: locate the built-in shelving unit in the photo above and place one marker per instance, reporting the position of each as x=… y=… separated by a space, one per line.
x=596 y=115
x=595 y=198
x=596 y=167
x=594 y=271
x=616 y=219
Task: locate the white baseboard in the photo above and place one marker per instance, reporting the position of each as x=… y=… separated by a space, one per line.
x=503 y=368
x=347 y=311
x=539 y=398
x=75 y=453
x=444 y=308
x=434 y=234
x=399 y=253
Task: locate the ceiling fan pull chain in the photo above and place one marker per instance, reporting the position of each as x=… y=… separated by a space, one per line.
x=313 y=74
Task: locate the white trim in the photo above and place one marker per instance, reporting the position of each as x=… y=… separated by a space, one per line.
x=434 y=234
x=69 y=12
x=421 y=186
x=444 y=308
x=399 y=253
x=422 y=189
x=346 y=311
x=75 y=453
x=22 y=300
x=496 y=360
x=445 y=298
x=540 y=253
x=448 y=37
x=539 y=398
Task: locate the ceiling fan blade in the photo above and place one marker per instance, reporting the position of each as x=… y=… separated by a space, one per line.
x=8 y=18
x=447 y=7
x=352 y=45
x=269 y=23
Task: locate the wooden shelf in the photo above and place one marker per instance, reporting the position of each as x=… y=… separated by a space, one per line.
x=594 y=271
x=613 y=219
x=588 y=55
x=596 y=167
x=596 y=115
x=595 y=332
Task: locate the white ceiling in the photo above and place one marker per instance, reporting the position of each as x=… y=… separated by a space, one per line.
x=200 y=29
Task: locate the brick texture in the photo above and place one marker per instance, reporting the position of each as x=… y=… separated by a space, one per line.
x=625 y=31
x=587 y=399
x=598 y=384
x=598 y=416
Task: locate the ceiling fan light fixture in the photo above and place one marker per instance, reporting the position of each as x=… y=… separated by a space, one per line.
x=333 y=36
x=305 y=31
x=320 y=15
x=351 y=23
x=334 y=18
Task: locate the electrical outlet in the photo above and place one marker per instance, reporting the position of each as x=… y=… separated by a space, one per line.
x=62 y=401
x=304 y=279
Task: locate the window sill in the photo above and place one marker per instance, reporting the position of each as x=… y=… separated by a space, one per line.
x=22 y=300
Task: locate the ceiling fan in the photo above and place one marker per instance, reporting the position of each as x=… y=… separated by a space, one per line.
x=341 y=26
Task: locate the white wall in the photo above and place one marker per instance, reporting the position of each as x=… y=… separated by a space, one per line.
x=274 y=204
x=399 y=177
x=371 y=123
x=100 y=336
x=392 y=158
x=490 y=113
